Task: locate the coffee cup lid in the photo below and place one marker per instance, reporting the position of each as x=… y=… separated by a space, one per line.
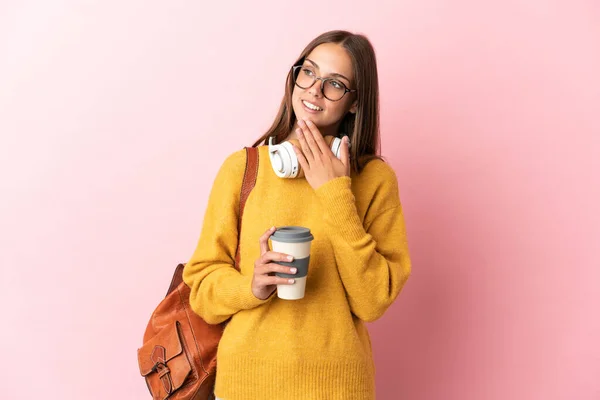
x=292 y=234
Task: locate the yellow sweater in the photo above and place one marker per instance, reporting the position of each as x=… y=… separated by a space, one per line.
x=318 y=347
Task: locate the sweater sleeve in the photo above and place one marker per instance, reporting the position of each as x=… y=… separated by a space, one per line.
x=217 y=289
x=372 y=257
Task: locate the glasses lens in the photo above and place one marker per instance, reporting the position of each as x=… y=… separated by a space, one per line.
x=305 y=77
x=334 y=90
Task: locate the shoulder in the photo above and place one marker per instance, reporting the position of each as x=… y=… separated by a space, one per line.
x=236 y=159
x=230 y=175
x=234 y=164
x=377 y=186
x=377 y=168
x=379 y=175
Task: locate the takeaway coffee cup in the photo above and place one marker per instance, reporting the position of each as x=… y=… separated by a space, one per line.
x=295 y=241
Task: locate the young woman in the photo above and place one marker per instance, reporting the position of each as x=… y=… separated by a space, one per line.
x=317 y=347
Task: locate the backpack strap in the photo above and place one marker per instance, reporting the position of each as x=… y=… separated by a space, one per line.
x=248 y=183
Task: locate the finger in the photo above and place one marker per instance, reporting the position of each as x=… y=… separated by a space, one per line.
x=266 y=280
x=272 y=268
x=310 y=139
x=305 y=147
x=271 y=256
x=345 y=154
x=264 y=240
x=301 y=159
x=318 y=138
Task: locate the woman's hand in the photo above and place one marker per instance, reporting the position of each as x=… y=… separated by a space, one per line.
x=264 y=281
x=317 y=160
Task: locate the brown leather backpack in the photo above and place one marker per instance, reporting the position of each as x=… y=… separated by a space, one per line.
x=179 y=356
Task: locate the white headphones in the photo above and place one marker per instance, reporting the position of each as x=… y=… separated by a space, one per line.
x=284 y=160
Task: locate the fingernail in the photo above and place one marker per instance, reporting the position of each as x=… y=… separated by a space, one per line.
x=273 y=228
x=290 y=258
x=291 y=281
x=301 y=122
x=293 y=270
x=299 y=132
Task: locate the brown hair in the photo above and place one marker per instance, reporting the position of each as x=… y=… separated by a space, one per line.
x=362 y=127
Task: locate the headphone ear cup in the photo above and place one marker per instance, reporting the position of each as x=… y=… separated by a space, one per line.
x=283 y=159
x=336 y=147
x=291 y=164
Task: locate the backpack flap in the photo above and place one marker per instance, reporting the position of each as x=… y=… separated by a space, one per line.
x=163 y=362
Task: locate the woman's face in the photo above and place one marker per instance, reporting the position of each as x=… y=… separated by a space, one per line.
x=328 y=60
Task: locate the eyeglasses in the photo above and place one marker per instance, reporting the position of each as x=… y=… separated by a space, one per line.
x=332 y=89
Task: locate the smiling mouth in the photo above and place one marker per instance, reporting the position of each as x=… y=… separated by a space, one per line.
x=311 y=106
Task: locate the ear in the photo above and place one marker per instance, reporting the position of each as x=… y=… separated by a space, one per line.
x=353 y=107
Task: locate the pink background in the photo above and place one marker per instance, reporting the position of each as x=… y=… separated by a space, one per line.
x=115 y=116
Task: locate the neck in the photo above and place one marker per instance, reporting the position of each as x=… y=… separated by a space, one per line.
x=326 y=131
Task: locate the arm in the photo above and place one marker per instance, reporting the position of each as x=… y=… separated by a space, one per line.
x=372 y=259
x=217 y=289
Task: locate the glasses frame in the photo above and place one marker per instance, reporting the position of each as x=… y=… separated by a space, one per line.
x=323 y=80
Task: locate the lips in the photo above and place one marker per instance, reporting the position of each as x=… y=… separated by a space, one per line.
x=311 y=106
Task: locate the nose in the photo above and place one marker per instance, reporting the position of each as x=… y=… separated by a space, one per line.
x=315 y=89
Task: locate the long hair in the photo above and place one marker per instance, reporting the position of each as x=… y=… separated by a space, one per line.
x=361 y=127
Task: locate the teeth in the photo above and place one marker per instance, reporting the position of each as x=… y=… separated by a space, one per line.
x=311 y=106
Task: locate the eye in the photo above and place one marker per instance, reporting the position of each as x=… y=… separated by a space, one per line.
x=307 y=71
x=337 y=84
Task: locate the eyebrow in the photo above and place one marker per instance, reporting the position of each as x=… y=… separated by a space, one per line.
x=333 y=74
